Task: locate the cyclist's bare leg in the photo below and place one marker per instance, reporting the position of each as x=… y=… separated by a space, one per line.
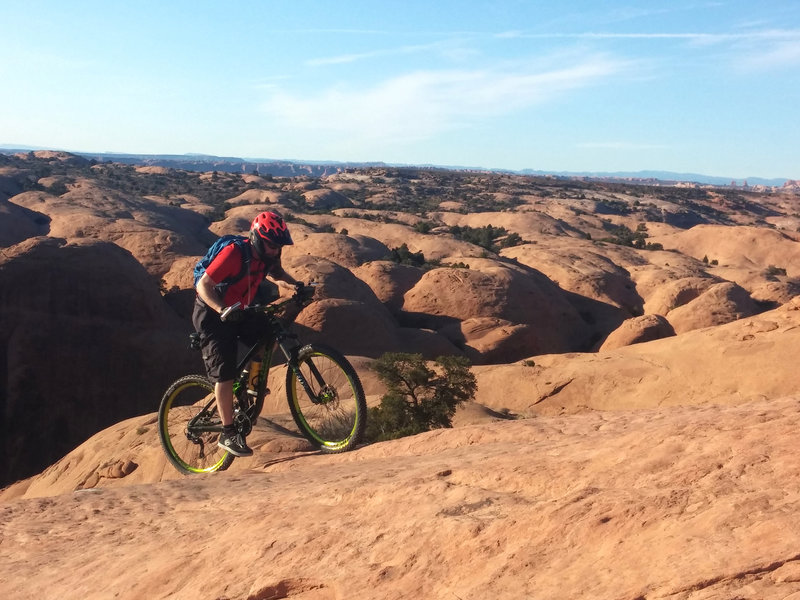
x=223 y=390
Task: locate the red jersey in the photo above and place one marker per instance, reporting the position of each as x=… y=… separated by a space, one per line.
x=228 y=263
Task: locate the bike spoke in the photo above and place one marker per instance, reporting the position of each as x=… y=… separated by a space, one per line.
x=327 y=400
x=189 y=426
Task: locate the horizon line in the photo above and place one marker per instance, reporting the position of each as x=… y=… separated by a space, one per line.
x=5 y=148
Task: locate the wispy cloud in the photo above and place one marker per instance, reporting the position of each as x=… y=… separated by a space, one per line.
x=745 y=50
x=619 y=145
x=422 y=104
x=696 y=36
x=349 y=58
x=775 y=56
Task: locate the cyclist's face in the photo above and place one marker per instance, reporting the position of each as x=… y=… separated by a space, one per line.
x=269 y=248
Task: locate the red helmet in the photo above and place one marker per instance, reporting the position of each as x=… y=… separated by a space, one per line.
x=269 y=227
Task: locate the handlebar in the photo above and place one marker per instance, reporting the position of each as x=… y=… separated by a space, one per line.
x=303 y=296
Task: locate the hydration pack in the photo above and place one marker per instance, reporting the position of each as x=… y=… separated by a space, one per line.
x=215 y=248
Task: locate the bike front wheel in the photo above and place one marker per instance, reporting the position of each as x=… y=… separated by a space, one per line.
x=189 y=426
x=326 y=398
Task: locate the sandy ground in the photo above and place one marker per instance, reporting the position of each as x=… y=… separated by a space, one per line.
x=683 y=502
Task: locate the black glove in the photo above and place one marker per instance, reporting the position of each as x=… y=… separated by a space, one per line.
x=303 y=293
x=232 y=314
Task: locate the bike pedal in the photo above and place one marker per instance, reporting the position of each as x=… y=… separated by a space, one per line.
x=253 y=392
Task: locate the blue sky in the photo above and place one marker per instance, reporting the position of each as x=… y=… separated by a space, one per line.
x=696 y=86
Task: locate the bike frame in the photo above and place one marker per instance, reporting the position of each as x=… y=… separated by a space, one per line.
x=277 y=337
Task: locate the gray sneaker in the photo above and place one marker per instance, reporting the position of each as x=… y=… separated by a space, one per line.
x=235 y=444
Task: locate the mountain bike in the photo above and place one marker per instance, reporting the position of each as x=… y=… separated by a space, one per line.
x=325 y=396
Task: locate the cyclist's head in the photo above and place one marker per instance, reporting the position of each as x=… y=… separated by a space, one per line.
x=269 y=232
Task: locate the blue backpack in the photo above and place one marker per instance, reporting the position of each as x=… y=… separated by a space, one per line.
x=215 y=248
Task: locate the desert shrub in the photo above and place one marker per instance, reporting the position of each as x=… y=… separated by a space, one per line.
x=772 y=272
x=487 y=237
x=419 y=397
x=58 y=188
x=623 y=236
x=404 y=256
x=480 y=236
x=612 y=207
x=219 y=212
x=511 y=240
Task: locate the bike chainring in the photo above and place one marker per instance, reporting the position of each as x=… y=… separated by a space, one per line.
x=243 y=423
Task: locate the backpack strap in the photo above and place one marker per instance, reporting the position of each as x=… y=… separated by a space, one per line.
x=246 y=251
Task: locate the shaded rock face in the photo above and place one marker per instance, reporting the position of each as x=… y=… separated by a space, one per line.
x=600 y=289
x=346 y=313
x=719 y=304
x=543 y=318
x=154 y=233
x=356 y=329
x=85 y=340
x=348 y=251
x=579 y=268
x=326 y=199
x=674 y=294
x=637 y=330
x=684 y=219
x=18 y=223
x=489 y=339
x=390 y=281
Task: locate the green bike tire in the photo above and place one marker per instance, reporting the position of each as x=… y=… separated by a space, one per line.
x=336 y=424
x=191 y=451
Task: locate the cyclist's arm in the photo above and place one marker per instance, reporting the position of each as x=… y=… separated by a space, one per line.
x=278 y=274
x=208 y=294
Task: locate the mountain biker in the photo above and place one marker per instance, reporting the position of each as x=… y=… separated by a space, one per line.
x=218 y=316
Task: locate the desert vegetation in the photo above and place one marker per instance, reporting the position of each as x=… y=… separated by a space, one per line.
x=420 y=396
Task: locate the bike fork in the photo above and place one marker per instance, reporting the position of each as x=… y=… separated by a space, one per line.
x=291 y=361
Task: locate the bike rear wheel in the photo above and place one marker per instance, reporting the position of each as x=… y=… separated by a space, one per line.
x=189 y=426
x=334 y=415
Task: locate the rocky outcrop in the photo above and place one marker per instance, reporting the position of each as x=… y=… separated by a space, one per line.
x=637 y=330
x=325 y=199
x=86 y=341
x=18 y=223
x=154 y=233
x=346 y=250
x=389 y=281
x=490 y=289
x=719 y=304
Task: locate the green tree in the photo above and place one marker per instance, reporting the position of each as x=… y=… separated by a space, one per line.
x=404 y=256
x=419 y=397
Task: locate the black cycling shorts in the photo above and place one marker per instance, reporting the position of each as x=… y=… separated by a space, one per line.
x=220 y=341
